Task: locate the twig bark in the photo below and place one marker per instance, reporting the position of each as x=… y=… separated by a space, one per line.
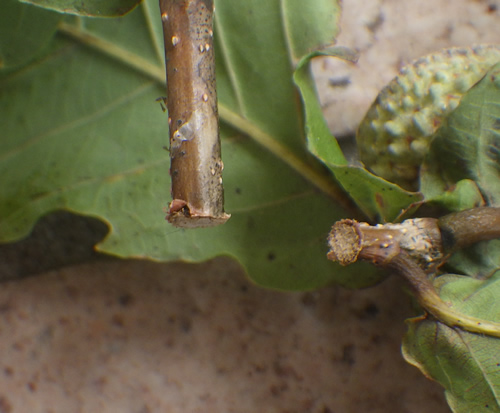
x=196 y=165
x=464 y=228
x=415 y=249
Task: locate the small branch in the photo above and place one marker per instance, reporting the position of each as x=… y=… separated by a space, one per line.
x=415 y=249
x=464 y=228
x=320 y=180
x=196 y=165
x=420 y=238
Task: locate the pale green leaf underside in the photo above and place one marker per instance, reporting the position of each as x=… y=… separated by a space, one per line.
x=466 y=364
x=97 y=8
x=305 y=23
x=20 y=40
x=84 y=133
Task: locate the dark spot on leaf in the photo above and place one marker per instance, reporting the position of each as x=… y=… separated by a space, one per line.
x=250 y=223
x=271 y=256
x=492 y=8
x=38 y=195
x=493 y=151
x=238 y=191
x=379 y=200
x=496 y=124
x=244 y=288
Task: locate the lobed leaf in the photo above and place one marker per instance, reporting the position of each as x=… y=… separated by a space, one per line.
x=466 y=364
x=83 y=132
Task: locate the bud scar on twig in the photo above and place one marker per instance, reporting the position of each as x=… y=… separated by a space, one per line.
x=415 y=249
x=196 y=165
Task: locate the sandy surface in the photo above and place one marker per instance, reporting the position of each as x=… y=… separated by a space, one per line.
x=139 y=337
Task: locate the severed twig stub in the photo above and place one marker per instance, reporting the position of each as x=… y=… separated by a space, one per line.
x=415 y=249
x=196 y=165
x=420 y=238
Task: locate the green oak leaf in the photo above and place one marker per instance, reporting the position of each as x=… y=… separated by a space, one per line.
x=96 y=8
x=310 y=26
x=20 y=39
x=379 y=199
x=82 y=132
x=466 y=364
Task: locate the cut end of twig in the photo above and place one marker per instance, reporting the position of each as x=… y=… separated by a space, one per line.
x=344 y=242
x=182 y=215
x=414 y=249
x=350 y=240
x=195 y=153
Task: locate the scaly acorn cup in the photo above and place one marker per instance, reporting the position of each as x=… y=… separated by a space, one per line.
x=394 y=136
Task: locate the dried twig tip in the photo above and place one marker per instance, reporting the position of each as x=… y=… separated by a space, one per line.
x=344 y=242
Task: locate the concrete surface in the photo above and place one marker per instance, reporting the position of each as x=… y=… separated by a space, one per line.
x=140 y=337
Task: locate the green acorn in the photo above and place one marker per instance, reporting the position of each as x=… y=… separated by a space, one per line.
x=395 y=134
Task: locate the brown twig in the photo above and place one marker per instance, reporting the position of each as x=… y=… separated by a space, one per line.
x=415 y=249
x=464 y=228
x=196 y=165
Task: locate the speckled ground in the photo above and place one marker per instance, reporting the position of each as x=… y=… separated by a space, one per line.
x=139 y=337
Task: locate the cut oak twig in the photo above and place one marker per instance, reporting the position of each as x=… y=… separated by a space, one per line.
x=415 y=249
x=316 y=177
x=195 y=160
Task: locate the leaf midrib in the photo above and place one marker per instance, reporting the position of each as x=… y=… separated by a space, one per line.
x=227 y=115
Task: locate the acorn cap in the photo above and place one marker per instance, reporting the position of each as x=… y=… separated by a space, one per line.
x=395 y=134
